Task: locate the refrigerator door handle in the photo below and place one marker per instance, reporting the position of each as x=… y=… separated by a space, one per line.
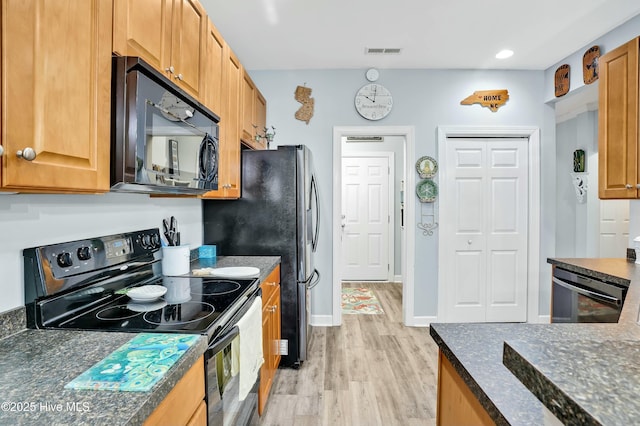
x=314 y=188
x=311 y=282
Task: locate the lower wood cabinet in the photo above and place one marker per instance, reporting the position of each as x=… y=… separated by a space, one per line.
x=457 y=405
x=185 y=404
x=270 y=335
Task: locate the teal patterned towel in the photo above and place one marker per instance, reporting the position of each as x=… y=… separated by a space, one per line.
x=137 y=365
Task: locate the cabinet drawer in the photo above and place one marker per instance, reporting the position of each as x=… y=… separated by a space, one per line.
x=270 y=284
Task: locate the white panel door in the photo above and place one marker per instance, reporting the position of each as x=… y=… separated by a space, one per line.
x=487 y=180
x=365 y=222
x=614 y=228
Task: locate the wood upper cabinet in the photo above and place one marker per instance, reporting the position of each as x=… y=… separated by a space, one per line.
x=214 y=63
x=56 y=95
x=253 y=114
x=271 y=333
x=170 y=35
x=229 y=143
x=618 y=138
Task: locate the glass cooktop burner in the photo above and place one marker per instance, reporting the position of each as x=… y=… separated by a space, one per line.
x=182 y=313
x=217 y=287
x=116 y=313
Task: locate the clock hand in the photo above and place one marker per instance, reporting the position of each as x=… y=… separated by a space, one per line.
x=375 y=90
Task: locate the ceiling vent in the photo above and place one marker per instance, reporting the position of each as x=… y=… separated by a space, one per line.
x=365 y=138
x=382 y=51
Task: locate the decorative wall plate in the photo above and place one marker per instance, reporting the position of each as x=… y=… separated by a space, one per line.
x=562 y=78
x=426 y=167
x=590 y=64
x=427 y=191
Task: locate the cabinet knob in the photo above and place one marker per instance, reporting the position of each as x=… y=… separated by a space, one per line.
x=1 y=150
x=637 y=185
x=170 y=69
x=28 y=154
x=179 y=77
x=628 y=186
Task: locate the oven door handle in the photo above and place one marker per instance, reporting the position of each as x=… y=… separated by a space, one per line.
x=223 y=341
x=588 y=293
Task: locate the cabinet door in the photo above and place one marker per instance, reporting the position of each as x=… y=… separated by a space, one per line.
x=276 y=332
x=56 y=85
x=143 y=28
x=188 y=39
x=248 y=97
x=618 y=122
x=213 y=70
x=260 y=118
x=229 y=148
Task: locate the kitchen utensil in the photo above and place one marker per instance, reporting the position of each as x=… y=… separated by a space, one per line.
x=170 y=229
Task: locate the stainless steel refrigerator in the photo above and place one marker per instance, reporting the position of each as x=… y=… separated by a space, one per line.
x=277 y=215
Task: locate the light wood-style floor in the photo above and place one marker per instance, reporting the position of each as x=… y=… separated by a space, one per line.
x=372 y=370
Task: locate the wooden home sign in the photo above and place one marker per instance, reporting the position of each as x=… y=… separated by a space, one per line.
x=492 y=99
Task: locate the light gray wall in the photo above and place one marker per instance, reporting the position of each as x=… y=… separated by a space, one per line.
x=28 y=220
x=393 y=144
x=424 y=99
x=574 y=221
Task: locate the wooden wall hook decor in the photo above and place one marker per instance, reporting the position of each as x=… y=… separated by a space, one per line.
x=492 y=99
x=303 y=95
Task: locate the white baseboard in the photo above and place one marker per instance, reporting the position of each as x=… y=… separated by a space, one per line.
x=544 y=319
x=423 y=321
x=322 y=320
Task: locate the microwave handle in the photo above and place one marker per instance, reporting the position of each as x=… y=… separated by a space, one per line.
x=207 y=171
x=598 y=296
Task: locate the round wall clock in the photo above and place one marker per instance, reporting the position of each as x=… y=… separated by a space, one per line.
x=373 y=101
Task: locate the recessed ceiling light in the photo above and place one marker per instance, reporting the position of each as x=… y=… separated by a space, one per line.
x=504 y=54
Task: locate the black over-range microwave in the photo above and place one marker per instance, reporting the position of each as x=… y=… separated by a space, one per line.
x=163 y=140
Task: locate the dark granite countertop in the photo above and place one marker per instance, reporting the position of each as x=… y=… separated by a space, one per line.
x=35 y=365
x=582 y=373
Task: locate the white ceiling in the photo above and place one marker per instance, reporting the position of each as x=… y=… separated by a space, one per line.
x=463 y=34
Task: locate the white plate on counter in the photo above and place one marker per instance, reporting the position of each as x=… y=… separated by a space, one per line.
x=146 y=293
x=229 y=272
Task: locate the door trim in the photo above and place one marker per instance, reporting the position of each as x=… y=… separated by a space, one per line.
x=532 y=135
x=407 y=243
x=391 y=182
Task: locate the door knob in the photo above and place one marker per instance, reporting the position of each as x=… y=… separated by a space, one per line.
x=28 y=154
x=469 y=242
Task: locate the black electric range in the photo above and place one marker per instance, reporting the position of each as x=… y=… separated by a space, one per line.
x=82 y=285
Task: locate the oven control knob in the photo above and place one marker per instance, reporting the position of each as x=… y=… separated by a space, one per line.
x=155 y=240
x=84 y=253
x=64 y=260
x=146 y=241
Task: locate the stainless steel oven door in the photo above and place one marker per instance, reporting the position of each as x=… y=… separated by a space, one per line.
x=222 y=375
x=578 y=299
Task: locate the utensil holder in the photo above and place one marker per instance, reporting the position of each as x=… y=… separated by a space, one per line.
x=175 y=260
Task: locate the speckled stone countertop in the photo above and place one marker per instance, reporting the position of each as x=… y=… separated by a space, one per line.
x=582 y=373
x=35 y=365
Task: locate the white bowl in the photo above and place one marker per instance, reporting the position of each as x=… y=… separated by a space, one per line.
x=146 y=293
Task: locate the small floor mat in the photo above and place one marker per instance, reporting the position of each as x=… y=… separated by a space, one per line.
x=360 y=301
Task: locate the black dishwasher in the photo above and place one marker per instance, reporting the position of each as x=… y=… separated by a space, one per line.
x=576 y=298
